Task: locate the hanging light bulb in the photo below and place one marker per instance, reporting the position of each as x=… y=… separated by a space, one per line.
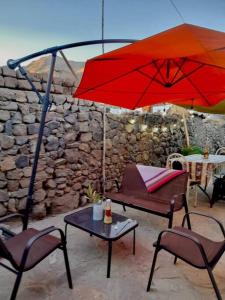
x=155 y=129
x=143 y=127
x=131 y=121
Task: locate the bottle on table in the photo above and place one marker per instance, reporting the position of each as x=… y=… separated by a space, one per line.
x=108 y=212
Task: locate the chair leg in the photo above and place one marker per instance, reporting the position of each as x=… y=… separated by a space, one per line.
x=152 y=269
x=175 y=260
x=16 y=286
x=188 y=191
x=170 y=224
x=124 y=208
x=218 y=295
x=68 y=273
x=196 y=196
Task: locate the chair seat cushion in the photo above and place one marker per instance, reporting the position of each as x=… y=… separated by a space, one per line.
x=189 y=251
x=39 y=250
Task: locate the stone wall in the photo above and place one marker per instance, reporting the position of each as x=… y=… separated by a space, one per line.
x=71 y=153
x=207 y=132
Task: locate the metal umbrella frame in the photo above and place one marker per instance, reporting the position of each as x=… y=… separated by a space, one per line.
x=45 y=99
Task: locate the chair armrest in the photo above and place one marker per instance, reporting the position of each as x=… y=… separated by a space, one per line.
x=35 y=238
x=206 y=216
x=187 y=236
x=5 y=218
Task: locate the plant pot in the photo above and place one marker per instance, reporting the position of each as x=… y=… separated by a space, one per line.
x=97 y=212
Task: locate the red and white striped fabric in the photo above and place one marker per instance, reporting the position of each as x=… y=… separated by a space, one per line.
x=155 y=177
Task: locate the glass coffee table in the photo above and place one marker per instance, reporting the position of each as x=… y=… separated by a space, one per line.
x=120 y=226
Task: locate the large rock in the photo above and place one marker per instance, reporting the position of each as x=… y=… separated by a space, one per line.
x=14 y=174
x=39 y=195
x=20 y=129
x=53 y=124
x=71 y=119
x=16 y=118
x=11 y=82
x=4 y=115
x=53 y=143
x=6 y=141
x=12 y=185
x=83 y=127
x=72 y=155
x=30 y=118
x=8 y=105
x=22 y=161
x=33 y=128
x=19 y=194
x=6 y=71
x=59 y=99
x=7 y=164
x=4 y=197
x=3 y=210
x=84 y=147
x=51 y=184
x=86 y=137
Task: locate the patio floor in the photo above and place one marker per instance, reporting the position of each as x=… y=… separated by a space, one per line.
x=129 y=274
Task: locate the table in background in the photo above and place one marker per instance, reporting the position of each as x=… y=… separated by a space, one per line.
x=83 y=219
x=202 y=170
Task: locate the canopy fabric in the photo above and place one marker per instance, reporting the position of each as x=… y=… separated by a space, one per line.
x=184 y=65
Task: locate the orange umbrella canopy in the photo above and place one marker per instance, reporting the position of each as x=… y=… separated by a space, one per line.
x=183 y=65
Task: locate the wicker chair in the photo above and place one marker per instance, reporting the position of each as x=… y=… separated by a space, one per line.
x=191 y=247
x=178 y=161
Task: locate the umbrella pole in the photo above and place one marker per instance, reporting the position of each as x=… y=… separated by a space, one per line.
x=186 y=131
x=46 y=103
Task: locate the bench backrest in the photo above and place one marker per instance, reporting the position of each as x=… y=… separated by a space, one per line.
x=132 y=184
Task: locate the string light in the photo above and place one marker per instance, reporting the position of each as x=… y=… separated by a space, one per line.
x=164 y=129
x=155 y=129
x=143 y=127
x=131 y=121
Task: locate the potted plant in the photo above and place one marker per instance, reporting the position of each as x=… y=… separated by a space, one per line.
x=96 y=199
x=191 y=150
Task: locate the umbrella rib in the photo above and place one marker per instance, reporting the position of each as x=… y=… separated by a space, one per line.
x=145 y=90
x=159 y=69
x=188 y=74
x=207 y=64
x=85 y=90
x=150 y=77
x=197 y=89
x=179 y=69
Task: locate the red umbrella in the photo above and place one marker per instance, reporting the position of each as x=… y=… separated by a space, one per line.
x=183 y=65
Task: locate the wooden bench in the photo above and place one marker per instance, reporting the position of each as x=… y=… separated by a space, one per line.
x=163 y=202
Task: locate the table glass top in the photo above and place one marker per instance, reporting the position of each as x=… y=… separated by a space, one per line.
x=83 y=219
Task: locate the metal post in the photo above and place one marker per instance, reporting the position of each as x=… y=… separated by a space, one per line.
x=39 y=141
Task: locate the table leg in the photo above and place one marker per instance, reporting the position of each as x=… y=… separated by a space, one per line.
x=134 y=240
x=66 y=231
x=109 y=258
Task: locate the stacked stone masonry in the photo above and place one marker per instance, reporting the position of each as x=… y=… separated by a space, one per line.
x=71 y=153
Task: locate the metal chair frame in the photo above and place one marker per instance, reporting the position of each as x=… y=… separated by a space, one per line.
x=19 y=270
x=209 y=267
